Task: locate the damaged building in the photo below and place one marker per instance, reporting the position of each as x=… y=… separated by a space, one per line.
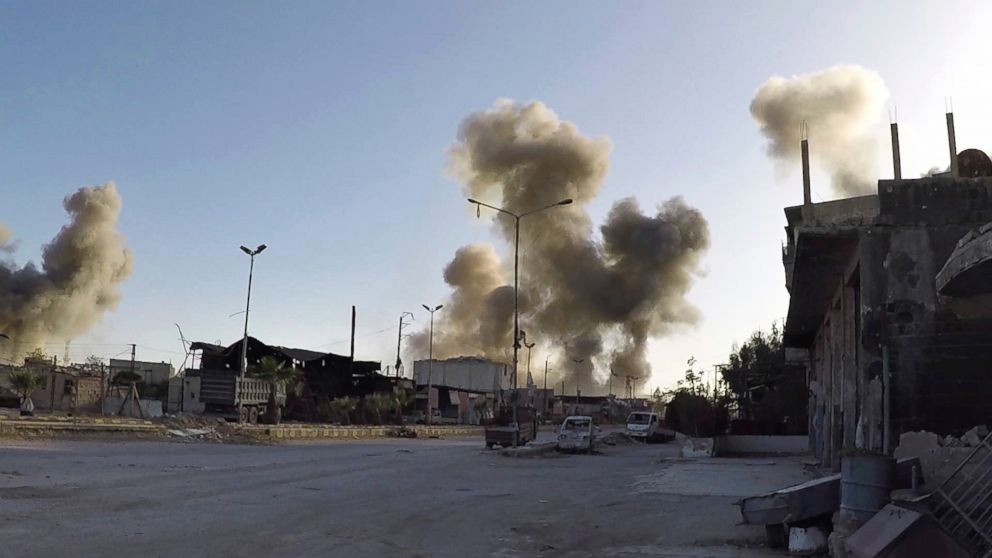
x=326 y=376
x=887 y=352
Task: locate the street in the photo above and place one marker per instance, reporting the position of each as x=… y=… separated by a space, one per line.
x=373 y=498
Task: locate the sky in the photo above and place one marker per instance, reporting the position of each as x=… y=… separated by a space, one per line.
x=321 y=129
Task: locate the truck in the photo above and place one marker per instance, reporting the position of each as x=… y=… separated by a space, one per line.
x=226 y=394
x=511 y=427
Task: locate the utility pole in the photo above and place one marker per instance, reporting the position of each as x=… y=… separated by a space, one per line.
x=399 y=340
x=351 y=363
x=133 y=346
x=545 y=396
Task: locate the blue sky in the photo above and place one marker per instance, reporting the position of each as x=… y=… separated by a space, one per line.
x=320 y=129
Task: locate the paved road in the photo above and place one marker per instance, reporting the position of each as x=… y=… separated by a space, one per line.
x=375 y=498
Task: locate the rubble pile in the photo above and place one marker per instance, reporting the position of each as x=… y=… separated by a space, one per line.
x=191 y=428
x=616 y=439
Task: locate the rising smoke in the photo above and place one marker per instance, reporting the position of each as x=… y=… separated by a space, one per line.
x=842 y=107
x=582 y=297
x=78 y=280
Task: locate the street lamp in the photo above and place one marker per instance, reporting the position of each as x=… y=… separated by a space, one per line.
x=244 y=340
x=430 y=363
x=516 y=259
x=529 y=347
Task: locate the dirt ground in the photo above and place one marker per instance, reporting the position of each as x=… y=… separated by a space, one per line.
x=373 y=498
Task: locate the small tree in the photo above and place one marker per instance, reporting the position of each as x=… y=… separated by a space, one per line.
x=37 y=354
x=277 y=374
x=657 y=401
x=343 y=407
x=482 y=409
x=403 y=398
x=25 y=383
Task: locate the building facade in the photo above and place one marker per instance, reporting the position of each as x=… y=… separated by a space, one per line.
x=885 y=352
x=151 y=373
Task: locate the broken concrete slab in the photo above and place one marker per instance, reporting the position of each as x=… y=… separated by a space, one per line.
x=936 y=462
x=810 y=499
x=794 y=503
x=898 y=532
x=974 y=437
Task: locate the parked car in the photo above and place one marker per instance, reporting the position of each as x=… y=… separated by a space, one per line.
x=647 y=426
x=577 y=433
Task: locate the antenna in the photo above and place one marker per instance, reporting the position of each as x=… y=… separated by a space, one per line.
x=894 y=131
x=951 y=140
x=804 y=149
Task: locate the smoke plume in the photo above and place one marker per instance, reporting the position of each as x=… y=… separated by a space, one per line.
x=842 y=106
x=78 y=280
x=590 y=302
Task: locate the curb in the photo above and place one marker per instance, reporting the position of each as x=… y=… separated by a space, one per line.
x=300 y=432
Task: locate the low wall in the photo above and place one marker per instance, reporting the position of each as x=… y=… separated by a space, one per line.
x=734 y=444
x=44 y=425
x=333 y=432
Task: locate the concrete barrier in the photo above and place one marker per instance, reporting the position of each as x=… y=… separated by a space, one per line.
x=41 y=425
x=360 y=432
x=735 y=444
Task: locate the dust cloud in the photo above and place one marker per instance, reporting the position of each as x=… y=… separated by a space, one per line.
x=78 y=280
x=842 y=107
x=590 y=302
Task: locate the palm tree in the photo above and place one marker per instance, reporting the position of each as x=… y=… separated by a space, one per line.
x=25 y=383
x=377 y=402
x=343 y=407
x=481 y=407
x=278 y=375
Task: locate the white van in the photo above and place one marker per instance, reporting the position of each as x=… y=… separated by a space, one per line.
x=647 y=426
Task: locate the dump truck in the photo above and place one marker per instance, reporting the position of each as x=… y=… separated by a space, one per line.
x=226 y=394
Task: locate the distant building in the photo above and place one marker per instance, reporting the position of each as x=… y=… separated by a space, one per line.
x=151 y=373
x=478 y=375
x=458 y=384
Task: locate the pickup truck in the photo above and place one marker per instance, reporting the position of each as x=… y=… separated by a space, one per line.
x=577 y=433
x=647 y=426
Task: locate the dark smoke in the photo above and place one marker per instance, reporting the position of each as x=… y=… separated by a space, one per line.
x=582 y=297
x=842 y=106
x=78 y=280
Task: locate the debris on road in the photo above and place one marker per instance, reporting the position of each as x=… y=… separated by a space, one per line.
x=617 y=439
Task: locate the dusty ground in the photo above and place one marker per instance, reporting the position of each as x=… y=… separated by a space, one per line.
x=374 y=498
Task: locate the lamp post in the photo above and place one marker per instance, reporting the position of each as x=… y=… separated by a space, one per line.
x=430 y=363
x=529 y=347
x=244 y=339
x=516 y=260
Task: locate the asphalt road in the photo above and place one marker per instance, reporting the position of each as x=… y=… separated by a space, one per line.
x=373 y=498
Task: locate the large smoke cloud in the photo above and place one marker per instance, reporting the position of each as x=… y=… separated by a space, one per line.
x=842 y=107
x=78 y=280
x=582 y=297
